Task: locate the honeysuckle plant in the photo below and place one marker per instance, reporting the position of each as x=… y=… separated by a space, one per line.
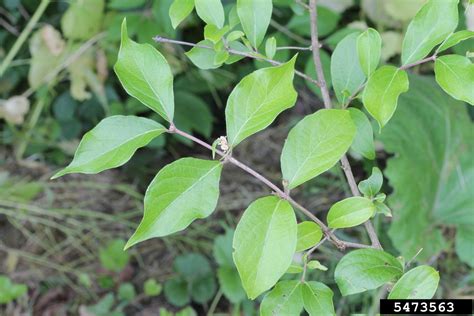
x=268 y=235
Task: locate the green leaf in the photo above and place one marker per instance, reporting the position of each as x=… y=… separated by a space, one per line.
x=126 y=292
x=213 y=33
x=419 y=283
x=113 y=257
x=294 y=269
x=234 y=35
x=192 y=114
x=10 y=291
x=112 y=143
x=381 y=208
x=350 y=212
x=372 y=185
x=431 y=25
x=221 y=57
x=222 y=249
x=263 y=255
x=382 y=91
x=145 y=75
x=364 y=137
x=309 y=234
x=210 y=11
x=258 y=99
x=255 y=16
x=204 y=289
x=72 y=22
x=315 y=145
x=346 y=73
x=366 y=269
x=455 y=74
x=270 y=47
x=464 y=242
x=369 y=49
x=179 y=10
x=454 y=39
x=285 y=299
x=315 y=264
x=192 y=267
x=203 y=58
x=125 y=4
x=327 y=22
x=230 y=284
x=317 y=299
x=181 y=192
x=176 y=292
x=152 y=288
x=430 y=140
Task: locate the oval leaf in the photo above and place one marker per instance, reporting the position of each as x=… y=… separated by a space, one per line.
x=210 y=11
x=179 y=10
x=364 y=138
x=369 y=49
x=145 y=75
x=455 y=39
x=431 y=25
x=264 y=244
x=315 y=145
x=346 y=73
x=382 y=91
x=258 y=99
x=455 y=74
x=230 y=284
x=317 y=299
x=181 y=192
x=285 y=299
x=419 y=283
x=255 y=16
x=112 y=143
x=366 y=269
x=372 y=185
x=309 y=234
x=203 y=57
x=350 y=212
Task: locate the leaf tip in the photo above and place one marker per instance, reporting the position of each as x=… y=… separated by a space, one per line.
x=124 y=30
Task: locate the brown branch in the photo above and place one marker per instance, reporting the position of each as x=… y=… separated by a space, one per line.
x=327 y=104
x=329 y=235
x=425 y=60
x=160 y=39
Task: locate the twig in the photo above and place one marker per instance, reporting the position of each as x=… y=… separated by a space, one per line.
x=425 y=60
x=23 y=36
x=289 y=33
x=316 y=56
x=301 y=3
x=160 y=39
x=8 y=27
x=327 y=232
x=293 y=48
x=327 y=104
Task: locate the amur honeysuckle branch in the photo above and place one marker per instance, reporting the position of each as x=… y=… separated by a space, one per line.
x=320 y=82
x=253 y=55
x=329 y=234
